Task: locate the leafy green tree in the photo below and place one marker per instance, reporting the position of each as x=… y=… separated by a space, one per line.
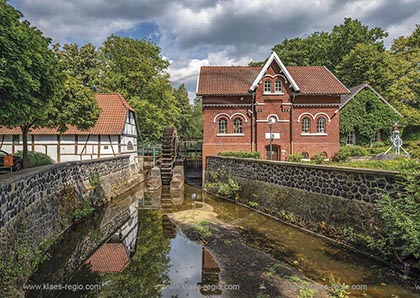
x=347 y=36
x=311 y=50
x=33 y=92
x=136 y=69
x=404 y=90
x=83 y=63
x=185 y=109
x=365 y=63
x=196 y=123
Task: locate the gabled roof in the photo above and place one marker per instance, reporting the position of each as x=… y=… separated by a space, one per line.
x=317 y=80
x=345 y=99
x=111 y=121
x=226 y=80
x=239 y=80
x=273 y=57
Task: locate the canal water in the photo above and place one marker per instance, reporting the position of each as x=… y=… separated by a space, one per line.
x=130 y=248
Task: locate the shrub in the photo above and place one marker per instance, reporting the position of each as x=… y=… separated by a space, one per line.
x=36 y=159
x=294 y=157
x=355 y=150
x=241 y=154
x=318 y=157
x=401 y=215
x=222 y=184
x=342 y=156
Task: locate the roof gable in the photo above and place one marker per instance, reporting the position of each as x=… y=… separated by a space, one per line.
x=274 y=57
x=345 y=99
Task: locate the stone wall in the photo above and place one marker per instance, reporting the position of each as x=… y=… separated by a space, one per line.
x=349 y=183
x=334 y=201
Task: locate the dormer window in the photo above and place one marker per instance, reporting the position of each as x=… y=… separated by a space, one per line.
x=267 y=86
x=278 y=86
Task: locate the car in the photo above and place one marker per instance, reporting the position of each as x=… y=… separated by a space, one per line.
x=17 y=161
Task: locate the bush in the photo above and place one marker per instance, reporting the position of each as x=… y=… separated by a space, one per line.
x=318 y=157
x=36 y=159
x=296 y=157
x=222 y=184
x=355 y=150
x=401 y=215
x=241 y=154
x=342 y=156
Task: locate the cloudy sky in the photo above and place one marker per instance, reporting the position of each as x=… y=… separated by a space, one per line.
x=192 y=33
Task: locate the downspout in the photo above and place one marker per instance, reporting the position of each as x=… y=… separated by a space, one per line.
x=253 y=146
x=291 y=124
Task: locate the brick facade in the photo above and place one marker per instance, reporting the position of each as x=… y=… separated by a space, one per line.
x=255 y=108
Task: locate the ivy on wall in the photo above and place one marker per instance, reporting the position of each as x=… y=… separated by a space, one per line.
x=366 y=114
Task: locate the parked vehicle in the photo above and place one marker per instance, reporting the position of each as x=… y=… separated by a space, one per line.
x=17 y=161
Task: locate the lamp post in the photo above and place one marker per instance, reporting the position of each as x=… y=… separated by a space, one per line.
x=271 y=121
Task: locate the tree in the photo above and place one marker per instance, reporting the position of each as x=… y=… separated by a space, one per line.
x=347 y=36
x=404 y=91
x=33 y=89
x=365 y=63
x=185 y=110
x=311 y=50
x=136 y=69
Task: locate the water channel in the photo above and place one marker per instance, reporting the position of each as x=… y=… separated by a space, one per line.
x=130 y=248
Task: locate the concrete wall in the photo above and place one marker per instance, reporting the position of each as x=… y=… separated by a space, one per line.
x=334 y=201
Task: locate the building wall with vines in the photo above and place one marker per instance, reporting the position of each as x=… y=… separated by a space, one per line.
x=364 y=116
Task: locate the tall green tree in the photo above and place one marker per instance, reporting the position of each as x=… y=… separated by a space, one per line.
x=32 y=86
x=345 y=37
x=365 y=63
x=136 y=69
x=404 y=90
x=311 y=50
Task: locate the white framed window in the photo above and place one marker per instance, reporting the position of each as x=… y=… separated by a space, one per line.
x=267 y=86
x=351 y=138
x=320 y=125
x=130 y=146
x=222 y=125
x=237 y=125
x=306 y=125
x=278 y=86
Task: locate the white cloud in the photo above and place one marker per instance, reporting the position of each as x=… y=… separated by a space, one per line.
x=213 y=32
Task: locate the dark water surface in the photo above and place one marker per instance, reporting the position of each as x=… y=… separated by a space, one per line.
x=130 y=248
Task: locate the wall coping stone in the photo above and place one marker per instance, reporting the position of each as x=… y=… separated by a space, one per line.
x=313 y=166
x=6 y=179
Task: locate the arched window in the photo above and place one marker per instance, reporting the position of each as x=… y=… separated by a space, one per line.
x=320 y=125
x=237 y=125
x=325 y=154
x=306 y=125
x=277 y=86
x=130 y=146
x=267 y=86
x=305 y=155
x=222 y=125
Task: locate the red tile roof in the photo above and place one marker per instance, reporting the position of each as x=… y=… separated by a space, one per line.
x=110 y=122
x=226 y=80
x=110 y=257
x=236 y=80
x=316 y=80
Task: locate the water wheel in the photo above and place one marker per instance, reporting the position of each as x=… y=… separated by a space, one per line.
x=168 y=154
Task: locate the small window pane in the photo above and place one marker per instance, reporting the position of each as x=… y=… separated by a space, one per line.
x=321 y=125
x=351 y=138
x=305 y=155
x=306 y=125
x=267 y=86
x=130 y=146
x=16 y=139
x=223 y=125
x=278 y=86
x=237 y=125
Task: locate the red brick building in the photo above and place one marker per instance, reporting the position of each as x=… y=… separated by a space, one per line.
x=301 y=102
